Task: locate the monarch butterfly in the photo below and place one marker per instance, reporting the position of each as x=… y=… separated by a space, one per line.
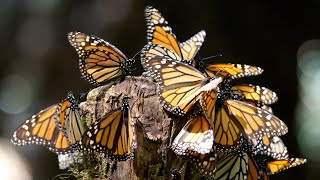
x=41 y=129
x=258 y=96
x=238 y=165
x=162 y=41
x=268 y=166
x=180 y=85
x=113 y=134
x=249 y=92
x=99 y=61
x=68 y=120
x=255 y=95
x=196 y=135
x=231 y=71
x=231 y=118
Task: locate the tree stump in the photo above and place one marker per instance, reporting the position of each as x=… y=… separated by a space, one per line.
x=155 y=129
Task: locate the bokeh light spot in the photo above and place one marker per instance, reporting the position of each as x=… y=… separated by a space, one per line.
x=15 y=94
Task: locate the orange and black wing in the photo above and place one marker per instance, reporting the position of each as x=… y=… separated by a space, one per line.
x=162 y=41
x=180 y=85
x=41 y=129
x=254 y=122
x=226 y=131
x=99 y=61
x=232 y=71
x=113 y=135
x=271 y=146
x=195 y=136
x=277 y=166
x=259 y=95
x=69 y=121
x=160 y=33
x=191 y=47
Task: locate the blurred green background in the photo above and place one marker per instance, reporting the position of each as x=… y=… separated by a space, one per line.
x=38 y=66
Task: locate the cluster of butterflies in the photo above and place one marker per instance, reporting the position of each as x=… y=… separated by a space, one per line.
x=230 y=130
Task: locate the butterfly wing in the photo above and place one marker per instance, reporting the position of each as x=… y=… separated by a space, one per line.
x=113 y=135
x=69 y=121
x=41 y=129
x=226 y=132
x=159 y=32
x=277 y=166
x=180 y=85
x=162 y=41
x=255 y=121
x=258 y=94
x=205 y=163
x=99 y=61
x=191 y=47
x=232 y=71
x=237 y=164
x=271 y=146
x=196 y=135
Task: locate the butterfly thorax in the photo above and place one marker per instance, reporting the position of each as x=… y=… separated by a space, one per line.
x=126 y=67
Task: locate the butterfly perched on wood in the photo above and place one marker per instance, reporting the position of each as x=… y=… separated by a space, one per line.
x=113 y=134
x=42 y=128
x=69 y=121
x=99 y=61
x=161 y=41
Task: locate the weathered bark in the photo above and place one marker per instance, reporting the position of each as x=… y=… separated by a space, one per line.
x=154 y=127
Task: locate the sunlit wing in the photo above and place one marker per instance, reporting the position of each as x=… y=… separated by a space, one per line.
x=191 y=47
x=159 y=32
x=41 y=129
x=277 y=166
x=232 y=71
x=113 y=135
x=248 y=92
x=226 y=131
x=255 y=121
x=162 y=41
x=196 y=136
x=180 y=85
x=99 y=61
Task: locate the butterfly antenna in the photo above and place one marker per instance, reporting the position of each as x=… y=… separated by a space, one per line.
x=214 y=56
x=136 y=54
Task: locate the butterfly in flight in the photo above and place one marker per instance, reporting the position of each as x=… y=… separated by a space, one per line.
x=113 y=134
x=99 y=61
